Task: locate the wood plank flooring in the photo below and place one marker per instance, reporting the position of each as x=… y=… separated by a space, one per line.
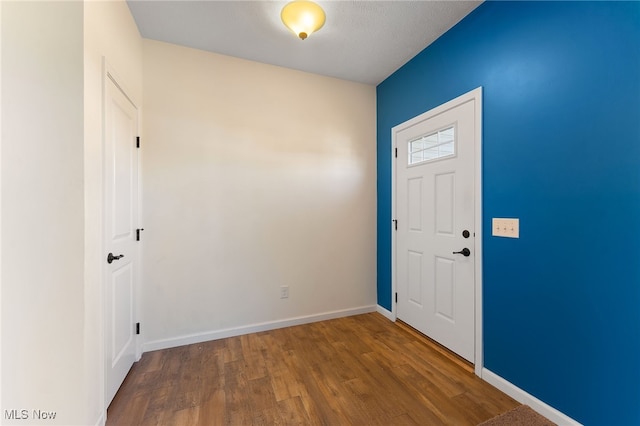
x=360 y=370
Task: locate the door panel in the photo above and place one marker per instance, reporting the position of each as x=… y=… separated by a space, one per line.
x=434 y=204
x=414 y=292
x=122 y=162
x=121 y=201
x=444 y=203
x=121 y=313
x=414 y=204
x=445 y=288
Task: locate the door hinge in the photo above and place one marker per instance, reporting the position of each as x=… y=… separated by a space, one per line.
x=396 y=297
x=137 y=141
x=395 y=224
x=138 y=233
x=137 y=328
x=396 y=152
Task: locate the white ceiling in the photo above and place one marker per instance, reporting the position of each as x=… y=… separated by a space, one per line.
x=363 y=41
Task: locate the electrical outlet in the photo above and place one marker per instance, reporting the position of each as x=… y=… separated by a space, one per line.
x=284 y=291
x=505 y=227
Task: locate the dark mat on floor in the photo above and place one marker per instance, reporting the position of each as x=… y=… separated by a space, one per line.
x=522 y=415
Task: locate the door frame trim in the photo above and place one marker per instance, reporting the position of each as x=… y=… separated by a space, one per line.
x=475 y=96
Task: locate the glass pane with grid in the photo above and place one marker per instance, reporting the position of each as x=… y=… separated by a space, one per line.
x=433 y=146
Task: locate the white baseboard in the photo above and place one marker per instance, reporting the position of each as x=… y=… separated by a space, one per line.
x=525 y=398
x=101 y=420
x=253 y=328
x=388 y=314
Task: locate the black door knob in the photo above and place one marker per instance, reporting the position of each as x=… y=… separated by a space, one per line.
x=111 y=257
x=465 y=252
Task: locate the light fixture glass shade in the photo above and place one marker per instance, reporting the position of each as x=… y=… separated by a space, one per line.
x=303 y=17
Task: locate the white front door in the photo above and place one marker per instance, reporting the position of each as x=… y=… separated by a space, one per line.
x=120 y=221
x=435 y=212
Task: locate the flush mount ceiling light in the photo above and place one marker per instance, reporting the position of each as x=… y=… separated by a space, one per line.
x=303 y=17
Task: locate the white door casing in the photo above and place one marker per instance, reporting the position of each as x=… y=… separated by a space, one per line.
x=435 y=200
x=120 y=222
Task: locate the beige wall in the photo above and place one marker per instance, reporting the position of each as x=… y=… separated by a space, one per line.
x=110 y=34
x=42 y=210
x=1 y=316
x=255 y=176
x=52 y=200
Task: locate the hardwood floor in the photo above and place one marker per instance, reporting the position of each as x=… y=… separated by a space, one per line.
x=360 y=370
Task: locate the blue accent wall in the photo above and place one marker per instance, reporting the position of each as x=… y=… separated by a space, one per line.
x=561 y=151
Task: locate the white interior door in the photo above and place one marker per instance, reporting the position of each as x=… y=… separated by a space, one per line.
x=120 y=221
x=435 y=210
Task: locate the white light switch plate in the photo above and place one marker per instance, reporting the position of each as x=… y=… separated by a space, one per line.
x=504 y=227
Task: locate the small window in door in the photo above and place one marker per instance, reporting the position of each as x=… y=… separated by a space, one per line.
x=433 y=146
